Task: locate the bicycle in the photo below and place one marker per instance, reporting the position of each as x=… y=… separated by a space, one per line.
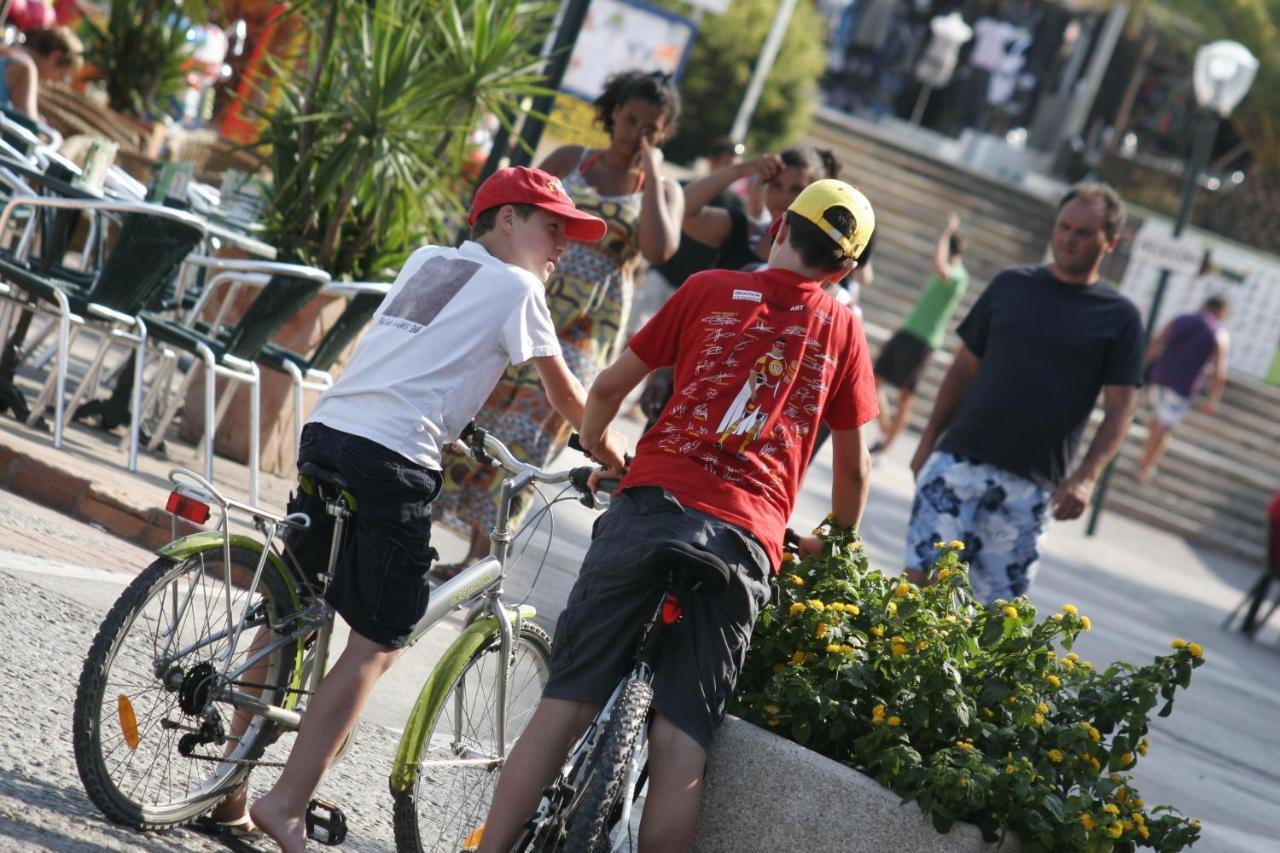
x=173 y=663
x=587 y=807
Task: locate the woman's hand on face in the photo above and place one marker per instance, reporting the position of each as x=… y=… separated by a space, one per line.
x=762 y=169
x=649 y=157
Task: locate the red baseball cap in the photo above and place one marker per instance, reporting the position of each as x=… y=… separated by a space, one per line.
x=521 y=185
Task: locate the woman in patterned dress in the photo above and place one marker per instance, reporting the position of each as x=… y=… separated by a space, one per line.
x=589 y=294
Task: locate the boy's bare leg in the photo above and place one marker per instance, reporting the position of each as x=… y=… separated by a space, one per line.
x=236 y=806
x=674 y=801
x=1157 y=439
x=882 y=398
x=329 y=718
x=899 y=420
x=533 y=763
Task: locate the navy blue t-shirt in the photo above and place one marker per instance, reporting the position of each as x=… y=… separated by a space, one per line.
x=1045 y=348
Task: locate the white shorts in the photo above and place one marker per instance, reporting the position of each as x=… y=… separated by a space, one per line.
x=1169 y=406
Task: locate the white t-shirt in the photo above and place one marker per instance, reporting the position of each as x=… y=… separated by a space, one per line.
x=436 y=348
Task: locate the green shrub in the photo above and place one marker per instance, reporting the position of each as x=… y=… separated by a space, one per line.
x=970 y=711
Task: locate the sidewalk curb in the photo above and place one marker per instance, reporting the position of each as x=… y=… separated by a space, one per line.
x=78 y=497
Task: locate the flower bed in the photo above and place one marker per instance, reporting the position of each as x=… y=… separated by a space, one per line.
x=978 y=714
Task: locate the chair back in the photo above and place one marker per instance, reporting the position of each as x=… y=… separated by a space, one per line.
x=147 y=253
x=278 y=301
x=360 y=309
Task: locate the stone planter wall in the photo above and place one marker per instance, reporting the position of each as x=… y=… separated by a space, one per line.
x=765 y=793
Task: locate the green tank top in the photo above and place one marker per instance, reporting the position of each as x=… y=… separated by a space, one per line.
x=928 y=320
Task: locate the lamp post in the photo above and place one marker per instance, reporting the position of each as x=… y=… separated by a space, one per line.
x=1224 y=71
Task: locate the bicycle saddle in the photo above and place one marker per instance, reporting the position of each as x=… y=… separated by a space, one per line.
x=692 y=563
x=320 y=474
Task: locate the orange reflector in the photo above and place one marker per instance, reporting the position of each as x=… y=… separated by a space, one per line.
x=128 y=722
x=188 y=508
x=474 y=839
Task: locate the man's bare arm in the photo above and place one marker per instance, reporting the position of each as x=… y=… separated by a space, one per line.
x=1074 y=494
x=964 y=366
x=607 y=393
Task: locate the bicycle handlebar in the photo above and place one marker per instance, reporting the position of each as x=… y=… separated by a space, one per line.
x=487 y=449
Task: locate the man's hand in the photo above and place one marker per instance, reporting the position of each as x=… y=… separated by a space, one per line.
x=762 y=169
x=610 y=451
x=1070 y=499
x=593 y=482
x=1208 y=406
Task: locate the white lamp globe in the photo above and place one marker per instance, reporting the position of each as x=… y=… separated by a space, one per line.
x=1224 y=71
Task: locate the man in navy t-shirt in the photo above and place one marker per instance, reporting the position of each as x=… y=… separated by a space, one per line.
x=1037 y=347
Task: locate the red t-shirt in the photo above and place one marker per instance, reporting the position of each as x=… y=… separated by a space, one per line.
x=760 y=358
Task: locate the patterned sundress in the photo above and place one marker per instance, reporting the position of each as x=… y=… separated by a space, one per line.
x=589 y=296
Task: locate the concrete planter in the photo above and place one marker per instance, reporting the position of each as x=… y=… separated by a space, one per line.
x=765 y=793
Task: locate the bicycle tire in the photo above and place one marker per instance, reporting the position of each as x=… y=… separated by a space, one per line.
x=604 y=776
x=446 y=806
x=122 y=663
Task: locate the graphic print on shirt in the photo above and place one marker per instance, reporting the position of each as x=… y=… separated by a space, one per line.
x=758 y=385
x=427 y=292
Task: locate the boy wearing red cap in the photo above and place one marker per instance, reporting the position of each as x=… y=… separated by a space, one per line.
x=452 y=321
x=759 y=360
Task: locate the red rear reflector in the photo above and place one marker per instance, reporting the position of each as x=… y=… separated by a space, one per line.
x=189 y=508
x=671 y=611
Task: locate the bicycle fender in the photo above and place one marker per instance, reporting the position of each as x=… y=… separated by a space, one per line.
x=212 y=540
x=404 y=770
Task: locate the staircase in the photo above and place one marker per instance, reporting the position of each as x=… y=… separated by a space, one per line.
x=1220 y=470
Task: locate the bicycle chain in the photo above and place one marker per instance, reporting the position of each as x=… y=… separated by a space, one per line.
x=239 y=762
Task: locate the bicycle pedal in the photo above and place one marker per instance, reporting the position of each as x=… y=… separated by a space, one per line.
x=326 y=824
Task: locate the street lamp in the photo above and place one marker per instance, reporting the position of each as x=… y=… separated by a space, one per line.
x=1224 y=71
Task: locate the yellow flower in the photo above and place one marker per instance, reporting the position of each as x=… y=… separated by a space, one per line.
x=1009 y=768
x=1197 y=651
x=796 y=579
x=892 y=607
x=964 y=744
x=1143 y=831
x=1053 y=680
x=1111 y=808
x=922 y=645
x=943 y=574
x=788 y=558
x=833 y=648
x=852 y=609
x=1122 y=794
x=898 y=650
x=1095 y=735
x=902 y=590
x=808 y=656
x=797 y=658
x=1086 y=623
x=1042 y=707
x=797 y=609
x=1055 y=756
x=1143 y=746
x=938 y=546
x=1086 y=820
x=1178 y=644
x=1057 y=617
x=1127 y=758
x=950 y=619
x=877 y=713
x=1135 y=805
x=774 y=722
x=1084 y=664
x=1070 y=609
x=772 y=710
x=1072 y=656
x=1095 y=764
x=846 y=649
x=817 y=605
x=986 y=712
x=955 y=545
x=876 y=631
x=1115 y=830
x=822 y=630
x=1116 y=777
x=1010 y=611
x=895 y=721
x=1037 y=718
x=1127 y=824
x=1068 y=665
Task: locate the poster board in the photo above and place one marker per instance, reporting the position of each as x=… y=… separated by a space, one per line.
x=1248 y=279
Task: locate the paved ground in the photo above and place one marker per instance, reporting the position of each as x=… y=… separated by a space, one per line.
x=1215 y=757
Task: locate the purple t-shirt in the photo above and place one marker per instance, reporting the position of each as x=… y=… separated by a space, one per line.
x=1187 y=349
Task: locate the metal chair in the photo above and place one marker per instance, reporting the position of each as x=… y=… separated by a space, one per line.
x=231 y=350
x=151 y=243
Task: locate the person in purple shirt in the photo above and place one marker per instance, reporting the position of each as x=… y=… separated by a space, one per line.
x=1178 y=358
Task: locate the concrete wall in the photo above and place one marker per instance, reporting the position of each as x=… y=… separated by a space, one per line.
x=765 y=793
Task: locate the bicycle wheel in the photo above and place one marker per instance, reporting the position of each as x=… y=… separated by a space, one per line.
x=446 y=807
x=604 y=776
x=147 y=678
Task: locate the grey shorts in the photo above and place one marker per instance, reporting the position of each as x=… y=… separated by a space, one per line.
x=599 y=630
